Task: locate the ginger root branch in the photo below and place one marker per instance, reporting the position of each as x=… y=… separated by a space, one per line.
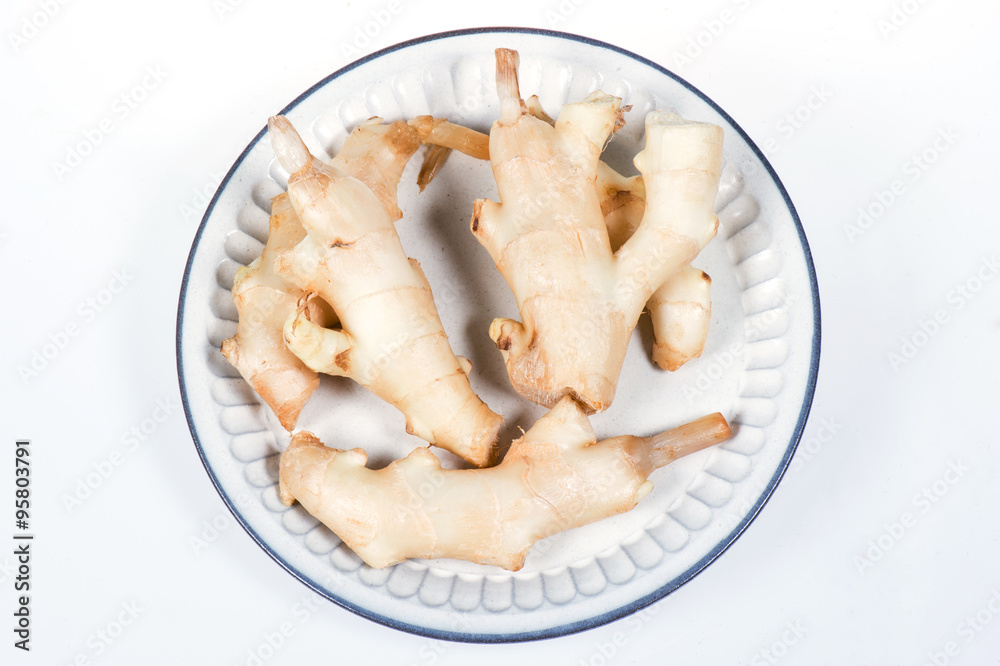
x=391 y=339
x=578 y=297
x=556 y=477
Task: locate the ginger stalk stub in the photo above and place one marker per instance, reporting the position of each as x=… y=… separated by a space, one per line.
x=391 y=340
x=578 y=300
x=555 y=477
x=264 y=300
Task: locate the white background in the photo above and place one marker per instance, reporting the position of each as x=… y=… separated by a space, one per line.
x=873 y=550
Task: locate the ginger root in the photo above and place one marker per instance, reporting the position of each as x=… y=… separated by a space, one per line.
x=556 y=477
x=579 y=299
x=264 y=299
x=681 y=308
x=391 y=340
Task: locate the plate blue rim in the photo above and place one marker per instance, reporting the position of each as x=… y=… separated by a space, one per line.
x=610 y=615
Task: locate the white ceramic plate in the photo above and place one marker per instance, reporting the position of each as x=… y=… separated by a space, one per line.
x=759 y=366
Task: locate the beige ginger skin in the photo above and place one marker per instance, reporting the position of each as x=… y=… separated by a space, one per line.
x=555 y=477
x=264 y=300
x=391 y=339
x=579 y=300
x=681 y=309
